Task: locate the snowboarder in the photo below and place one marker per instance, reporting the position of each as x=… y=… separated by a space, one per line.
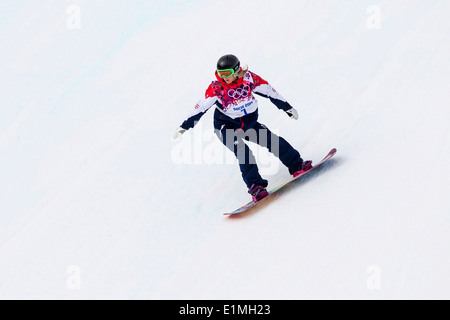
x=236 y=121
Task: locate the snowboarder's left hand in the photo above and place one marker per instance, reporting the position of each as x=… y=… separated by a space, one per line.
x=292 y=113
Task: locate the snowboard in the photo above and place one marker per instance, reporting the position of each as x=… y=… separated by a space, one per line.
x=253 y=203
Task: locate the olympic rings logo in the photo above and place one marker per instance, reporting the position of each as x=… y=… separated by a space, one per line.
x=238 y=93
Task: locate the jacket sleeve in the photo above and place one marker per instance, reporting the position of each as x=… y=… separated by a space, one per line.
x=264 y=89
x=200 y=109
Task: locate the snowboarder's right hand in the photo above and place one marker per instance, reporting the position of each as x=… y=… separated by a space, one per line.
x=178 y=133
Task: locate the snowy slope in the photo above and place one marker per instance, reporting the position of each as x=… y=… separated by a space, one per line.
x=95 y=201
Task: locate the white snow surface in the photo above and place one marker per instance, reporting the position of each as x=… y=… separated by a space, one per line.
x=95 y=203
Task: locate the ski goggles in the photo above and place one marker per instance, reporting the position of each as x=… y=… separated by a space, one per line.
x=225 y=73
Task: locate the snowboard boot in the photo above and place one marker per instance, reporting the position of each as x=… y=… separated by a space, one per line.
x=258 y=192
x=303 y=167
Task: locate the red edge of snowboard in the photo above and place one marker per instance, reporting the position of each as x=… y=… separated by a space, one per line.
x=252 y=203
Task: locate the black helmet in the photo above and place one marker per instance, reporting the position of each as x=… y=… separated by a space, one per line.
x=228 y=61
